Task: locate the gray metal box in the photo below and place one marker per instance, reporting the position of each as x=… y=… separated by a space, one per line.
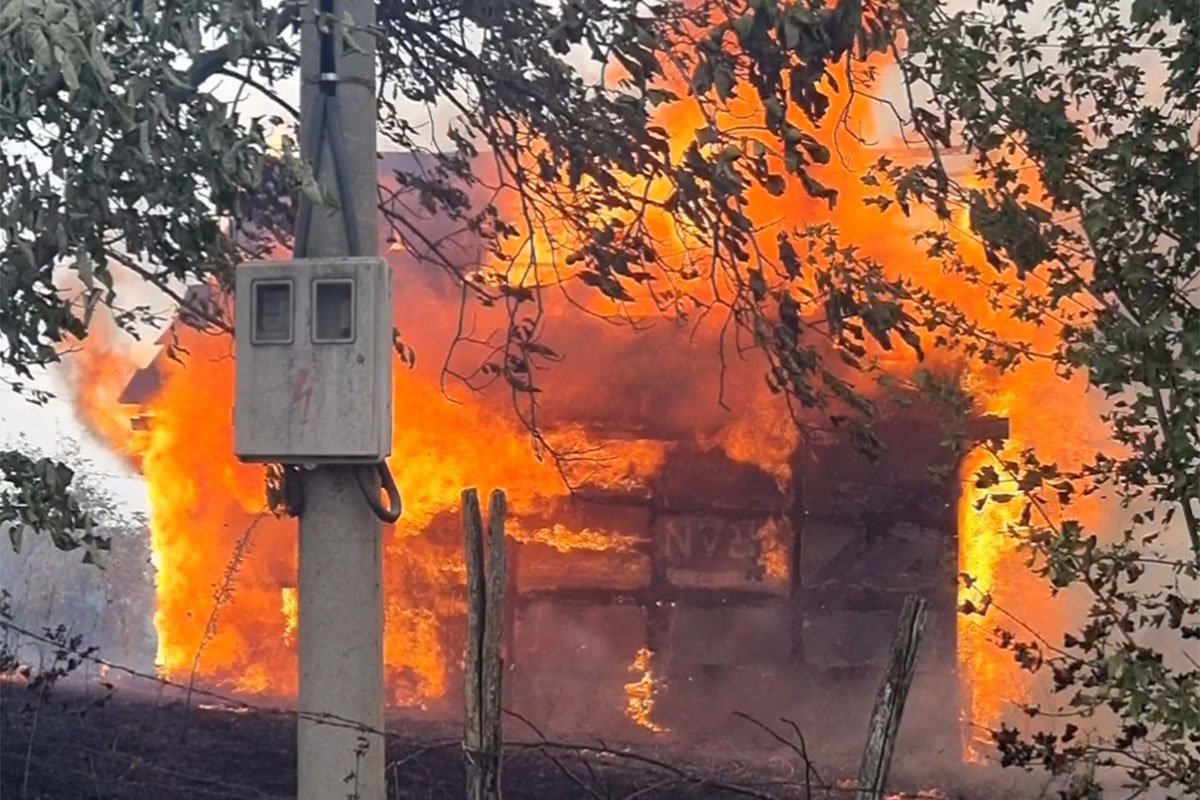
x=314 y=361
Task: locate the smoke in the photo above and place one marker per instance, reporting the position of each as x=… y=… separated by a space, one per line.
x=111 y=606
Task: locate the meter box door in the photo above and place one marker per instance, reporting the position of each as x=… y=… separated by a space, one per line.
x=314 y=361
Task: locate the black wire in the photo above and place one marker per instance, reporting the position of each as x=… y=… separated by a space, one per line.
x=328 y=58
x=371 y=494
x=326 y=123
x=316 y=146
x=334 y=119
x=292 y=490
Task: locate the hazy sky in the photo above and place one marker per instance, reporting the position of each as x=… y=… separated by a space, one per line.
x=44 y=426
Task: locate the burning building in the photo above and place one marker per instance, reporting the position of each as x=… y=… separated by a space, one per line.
x=686 y=556
x=685 y=560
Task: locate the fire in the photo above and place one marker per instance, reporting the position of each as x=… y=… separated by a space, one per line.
x=289 y=605
x=989 y=538
x=620 y=465
x=203 y=502
x=564 y=540
x=763 y=435
x=639 y=695
x=988 y=678
x=773 y=552
x=96 y=378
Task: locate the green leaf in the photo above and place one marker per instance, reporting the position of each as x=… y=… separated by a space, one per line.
x=986 y=476
x=16 y=535
x=911 y=338
x=743 y=26
x=758 y=285
x=817 y=189
x=706 y=135
x=63 y=475
x=42 y=54
x=791 y=31
x=1145 y=11
x=85 y=268
x=818 y=152
x=657 y=97
x=69 y=72
x=723 y=80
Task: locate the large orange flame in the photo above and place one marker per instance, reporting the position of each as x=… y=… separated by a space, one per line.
x=206 y=507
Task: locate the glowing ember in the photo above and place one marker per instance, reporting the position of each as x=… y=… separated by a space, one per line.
x=223 y=708
x=639 y=695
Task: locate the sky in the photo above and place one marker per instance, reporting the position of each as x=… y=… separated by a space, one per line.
x=45 y=426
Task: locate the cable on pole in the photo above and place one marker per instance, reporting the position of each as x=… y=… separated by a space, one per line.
x=292 y=489
x=324 y=127
x=395 y=506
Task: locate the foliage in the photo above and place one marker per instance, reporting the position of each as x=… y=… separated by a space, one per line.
x=1084 y=195
x=36 y=495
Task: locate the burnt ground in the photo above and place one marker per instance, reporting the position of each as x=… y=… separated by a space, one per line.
x=138 y=746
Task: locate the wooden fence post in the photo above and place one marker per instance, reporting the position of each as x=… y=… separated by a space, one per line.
x=889 y=702
x=485 y=627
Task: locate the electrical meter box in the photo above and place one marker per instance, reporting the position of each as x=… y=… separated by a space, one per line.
x=314 y=361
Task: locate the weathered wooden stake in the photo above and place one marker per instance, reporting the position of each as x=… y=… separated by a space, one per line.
x=493 y=630
x=485 y=627
x=889 y=703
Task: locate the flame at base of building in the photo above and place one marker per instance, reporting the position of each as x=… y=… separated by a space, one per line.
x=639 y=702
x=671 y=545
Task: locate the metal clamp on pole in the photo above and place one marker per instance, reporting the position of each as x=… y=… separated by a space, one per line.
x=394 y=507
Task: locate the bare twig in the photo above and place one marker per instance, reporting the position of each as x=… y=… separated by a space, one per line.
x=220 y=598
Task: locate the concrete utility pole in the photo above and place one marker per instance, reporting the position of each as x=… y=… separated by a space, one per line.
x=340 y=588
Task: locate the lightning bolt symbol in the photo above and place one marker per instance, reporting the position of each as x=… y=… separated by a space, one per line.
x=302 y=391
